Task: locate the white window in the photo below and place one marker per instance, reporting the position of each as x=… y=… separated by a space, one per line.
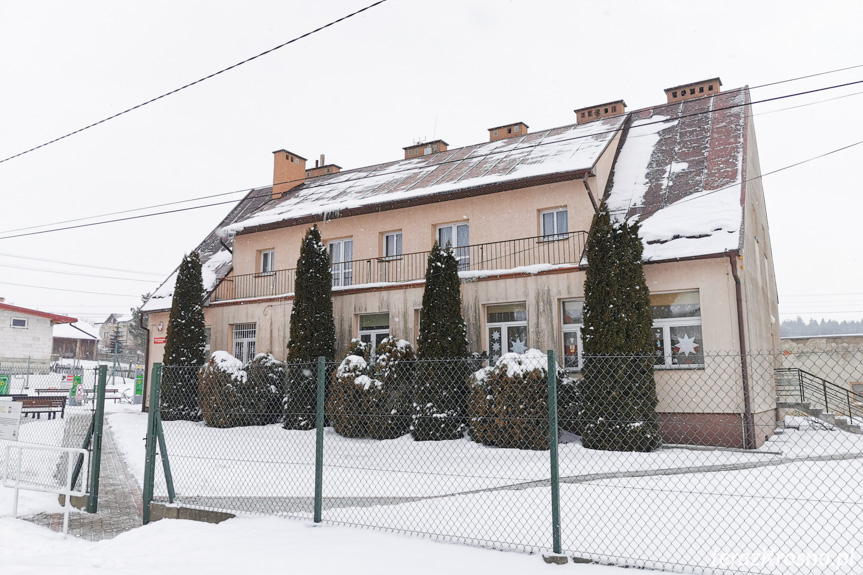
x=341 y=258
x=374 y=328
x=244 y=341
x=495 y=132
x=507 y=329
x=19 y=322
x=457 y=236
x=392 y=245
x=268 y=262
x=571 y=322
x=677 y=329
x=554 y=224
x=515 y=129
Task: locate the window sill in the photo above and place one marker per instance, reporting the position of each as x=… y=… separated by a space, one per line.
x=390 y=258
x=264 y=274
x=552 y=238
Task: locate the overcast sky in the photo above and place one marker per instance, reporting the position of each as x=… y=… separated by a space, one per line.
x=361 y=90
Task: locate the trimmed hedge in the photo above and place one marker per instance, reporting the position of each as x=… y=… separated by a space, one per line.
x=373 y=398
x=234 y=395
x=508 y=402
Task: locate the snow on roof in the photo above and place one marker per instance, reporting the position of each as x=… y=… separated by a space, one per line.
x=555 y=151
x=679 y=173
x=215 y=255
x=78 y=330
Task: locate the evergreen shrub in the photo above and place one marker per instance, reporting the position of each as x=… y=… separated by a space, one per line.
x=233 y=395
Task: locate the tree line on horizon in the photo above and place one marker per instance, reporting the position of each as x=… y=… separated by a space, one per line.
x=797 y=327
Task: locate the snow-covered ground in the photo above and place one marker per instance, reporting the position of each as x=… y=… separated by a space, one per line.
x=255 y=545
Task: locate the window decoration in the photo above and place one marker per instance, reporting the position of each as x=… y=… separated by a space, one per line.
x=507 y=329
x=677 y=329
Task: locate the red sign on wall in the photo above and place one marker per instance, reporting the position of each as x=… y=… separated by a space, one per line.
x=159 y=339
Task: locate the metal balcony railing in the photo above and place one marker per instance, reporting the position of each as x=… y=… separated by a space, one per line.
x=558 y=249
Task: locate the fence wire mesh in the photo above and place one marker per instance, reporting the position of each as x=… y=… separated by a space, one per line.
x=57 y=411
x=730 y=463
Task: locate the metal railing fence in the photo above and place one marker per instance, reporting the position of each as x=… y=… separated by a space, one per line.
x=566 y=248
x=620 y=463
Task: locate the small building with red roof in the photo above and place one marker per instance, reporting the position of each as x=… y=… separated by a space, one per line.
x=27 y=337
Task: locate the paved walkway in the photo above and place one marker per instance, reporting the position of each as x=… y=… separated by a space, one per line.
x=120 y=502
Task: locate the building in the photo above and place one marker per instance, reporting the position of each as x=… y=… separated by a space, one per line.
x=26 y=337
x=837 y=359
x=517 y=210
x=77 y=340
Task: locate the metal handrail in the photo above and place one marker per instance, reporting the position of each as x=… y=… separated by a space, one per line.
x=822 y=388
x=559 y=249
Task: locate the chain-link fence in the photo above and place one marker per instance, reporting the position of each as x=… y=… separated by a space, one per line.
x=706 y=462
x=56 y=410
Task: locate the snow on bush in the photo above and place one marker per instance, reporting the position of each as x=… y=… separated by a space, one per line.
x=233 y=395
x=372 y=397
x=508 y=401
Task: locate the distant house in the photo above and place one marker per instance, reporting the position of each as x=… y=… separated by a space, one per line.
x=517 y=209
x=26 y=336
x=78 y=340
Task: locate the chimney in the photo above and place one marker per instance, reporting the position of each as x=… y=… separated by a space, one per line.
x=322 y=168
x=2 y=299
x=424 y=149
x=507 y=131
x=289 y=171
x=693 y=90
x=607 y=110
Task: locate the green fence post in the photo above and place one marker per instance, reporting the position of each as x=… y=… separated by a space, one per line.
x=319 y=440
x=150 y=459
x=552 y=443
x=96 y=460
x=166 y=466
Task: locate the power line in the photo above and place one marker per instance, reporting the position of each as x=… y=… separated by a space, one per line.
x=492 y=153
x=78 y=265
x=75 y=274
x=70 y=290
x=807 y=76
x=198 y=81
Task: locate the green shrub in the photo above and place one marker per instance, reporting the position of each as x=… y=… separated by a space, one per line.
x=373 y=398
x=233 y=395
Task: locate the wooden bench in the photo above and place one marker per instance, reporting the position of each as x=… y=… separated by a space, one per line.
x=110 y=393
x=50 y=405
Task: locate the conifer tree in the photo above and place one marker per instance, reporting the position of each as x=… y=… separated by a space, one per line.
x=440 y=392
x=184 y=344
x=312 y=331
x=618 y=394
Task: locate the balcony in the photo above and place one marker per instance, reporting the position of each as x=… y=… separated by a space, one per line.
x=474 y=261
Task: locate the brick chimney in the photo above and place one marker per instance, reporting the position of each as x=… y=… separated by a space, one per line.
x=693 y=90
x=507 y=131
x=322 y=168
x=424 y=149
x=591 y=113
x=289 y=171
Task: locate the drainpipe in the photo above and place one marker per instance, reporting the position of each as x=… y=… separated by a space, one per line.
x=589 y=192
x=146 y=360
x=748 y=420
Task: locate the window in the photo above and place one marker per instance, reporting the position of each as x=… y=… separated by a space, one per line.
x=674 y=94
x=244 y=341
x=571 y=322
x=457 y=236
x=268 y=263
x=515 y=129
x=495 y=132
x=19 y=322
x=392 y=245
x=341 y=256
x=374 y=328
x=710 y=88
x=507 y=329
x=207 y=345
x=701 y=89
x=554 y=224
x=677 y=329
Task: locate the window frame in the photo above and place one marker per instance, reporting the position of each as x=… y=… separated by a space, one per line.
x=268 y=257
x=461 y=252
x=566 y=328
x=504 y=327
x=556 y=234
x=24 y=319
x=372 y=333
x=248 y=343
x=345 y=269
x=397 y=243
x=666 y=324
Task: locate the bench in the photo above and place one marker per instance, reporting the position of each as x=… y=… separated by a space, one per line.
x=52 y=390
x=50 y=405
x=110 y=393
